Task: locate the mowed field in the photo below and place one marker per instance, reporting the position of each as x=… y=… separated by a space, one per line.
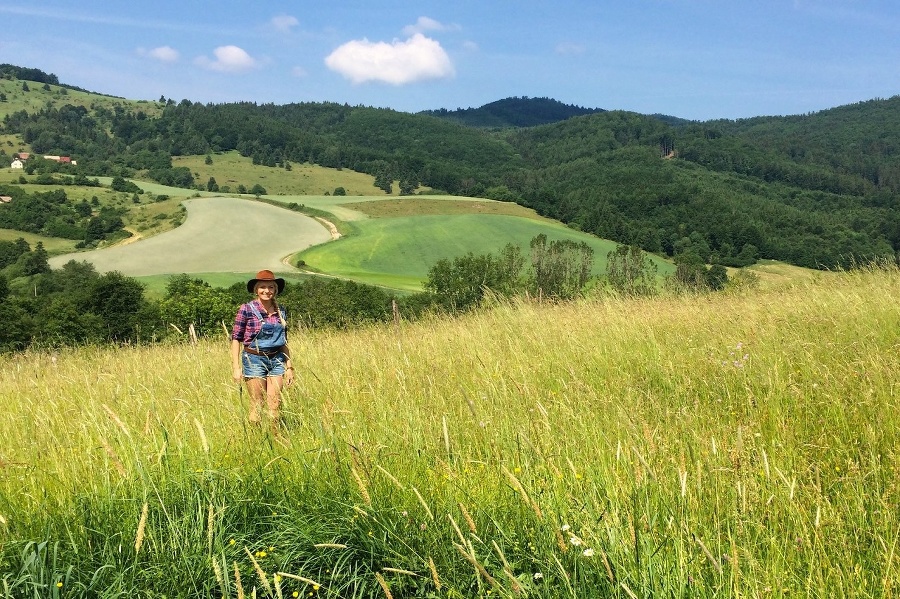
x=219 y=235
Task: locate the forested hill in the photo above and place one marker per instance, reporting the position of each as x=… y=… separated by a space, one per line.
x=513 y=112
x=818 y=190
x=10 y=71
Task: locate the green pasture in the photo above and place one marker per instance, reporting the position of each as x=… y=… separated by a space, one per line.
x=53 y=245
x=398 y=252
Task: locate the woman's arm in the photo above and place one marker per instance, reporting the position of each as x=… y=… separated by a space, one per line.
x=237 y=372
x=288 y=365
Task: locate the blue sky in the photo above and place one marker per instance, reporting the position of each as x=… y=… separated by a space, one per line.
x=695 y=59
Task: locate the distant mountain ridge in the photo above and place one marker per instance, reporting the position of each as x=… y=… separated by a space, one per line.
x=514 y=112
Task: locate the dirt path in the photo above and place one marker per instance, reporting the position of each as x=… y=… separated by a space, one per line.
x=135 y=236
x=334 y=232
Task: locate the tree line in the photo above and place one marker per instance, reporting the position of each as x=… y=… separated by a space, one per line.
x=76 y=305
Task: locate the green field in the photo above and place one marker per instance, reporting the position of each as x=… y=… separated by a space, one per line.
x=51 y=244
x=736 y=446
x=398 y=252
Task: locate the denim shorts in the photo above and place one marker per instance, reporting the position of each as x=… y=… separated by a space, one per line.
x=259 y=367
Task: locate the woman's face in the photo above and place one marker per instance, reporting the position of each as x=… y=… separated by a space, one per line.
x=265 y=291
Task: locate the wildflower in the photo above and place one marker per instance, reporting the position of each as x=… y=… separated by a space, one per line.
x=295 y=594
x=231 y=542
x=565 y=528
x=588 y=552
x=277 y=578
x=315 y=587
x=59 y=585
x=575 y=540
x=538 y=576
x=517 y=470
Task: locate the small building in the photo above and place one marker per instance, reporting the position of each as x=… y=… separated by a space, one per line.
x=23 y=156
x=5 y=199
x=61 y=159
x=16 y=163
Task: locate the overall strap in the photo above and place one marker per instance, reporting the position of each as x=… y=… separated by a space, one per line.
x=262 y=321
x=256 y=313
x=281 y=313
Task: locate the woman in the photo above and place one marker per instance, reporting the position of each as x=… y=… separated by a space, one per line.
x=259 y=350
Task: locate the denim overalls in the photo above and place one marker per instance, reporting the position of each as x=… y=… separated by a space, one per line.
x=271 y=336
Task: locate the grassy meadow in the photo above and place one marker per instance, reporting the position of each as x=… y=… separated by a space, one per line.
x=716 y=446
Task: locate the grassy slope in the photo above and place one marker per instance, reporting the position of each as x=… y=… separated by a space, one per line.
x=398 y=252
x=231 y=169
x=734 y=446
x=37 y=99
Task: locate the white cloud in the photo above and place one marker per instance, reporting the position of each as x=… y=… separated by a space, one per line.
x=424 y=24
x=229 y=59
x=299 y=72
x=283 y=23
x=163 y=54
x=470 y=46
x=398 y=63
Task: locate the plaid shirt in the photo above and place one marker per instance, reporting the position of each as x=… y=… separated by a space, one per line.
x=247 y=325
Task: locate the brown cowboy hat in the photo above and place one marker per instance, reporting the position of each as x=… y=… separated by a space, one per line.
x=265 y=275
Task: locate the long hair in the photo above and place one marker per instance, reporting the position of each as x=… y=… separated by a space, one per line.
x=274 y=303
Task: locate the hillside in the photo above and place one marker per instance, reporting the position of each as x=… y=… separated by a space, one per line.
x=513 y=112
x=820 y=191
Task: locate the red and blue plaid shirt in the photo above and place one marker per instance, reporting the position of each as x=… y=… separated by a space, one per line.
x=247 y=325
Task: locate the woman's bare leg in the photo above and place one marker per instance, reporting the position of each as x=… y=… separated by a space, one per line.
x=273 y=400
x=256 y=388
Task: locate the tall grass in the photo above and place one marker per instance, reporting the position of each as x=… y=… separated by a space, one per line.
x=696 y=446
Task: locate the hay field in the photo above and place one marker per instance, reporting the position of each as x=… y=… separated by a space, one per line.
x=219 y=235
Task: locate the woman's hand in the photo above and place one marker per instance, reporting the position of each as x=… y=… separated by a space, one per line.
x=289 y=377
x=237 y=374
